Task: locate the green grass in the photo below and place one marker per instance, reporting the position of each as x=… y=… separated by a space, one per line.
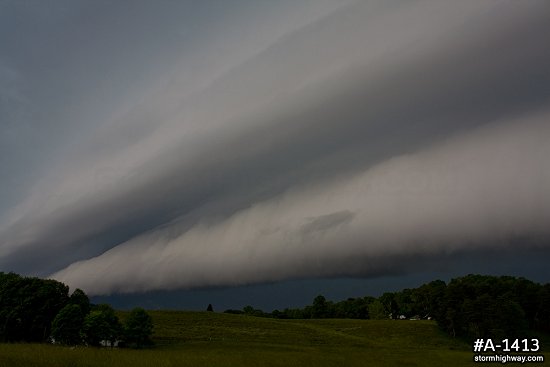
x=213 y=339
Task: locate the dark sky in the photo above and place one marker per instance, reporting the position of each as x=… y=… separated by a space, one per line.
x=236 y=149
x=301 y=292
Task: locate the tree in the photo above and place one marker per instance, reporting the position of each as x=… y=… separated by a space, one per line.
x=67 y=325
x=404 y=303
x=28 y=307
x=377 y=310
x=320 y=308
x=95 y=328
x=210 y=308
x=101 y=324
x=80 y=299
x=390 y=305
x=352 y=308
x=251 y=311
x=138 y=327
x=480 y=306
x=543 y=313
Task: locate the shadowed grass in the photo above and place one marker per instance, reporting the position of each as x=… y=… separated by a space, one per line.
x=210 y=339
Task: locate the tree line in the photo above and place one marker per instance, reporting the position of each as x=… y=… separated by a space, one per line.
x=41 y=310
x=474 y=306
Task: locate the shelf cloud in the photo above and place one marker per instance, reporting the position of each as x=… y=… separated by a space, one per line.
x=260 y=142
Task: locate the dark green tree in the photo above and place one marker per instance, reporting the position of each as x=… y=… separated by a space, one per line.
x=320 y=308
x=251 y=311
x=542 y=321
x=95 y=328
x=138 y=328
x=486 y=306
x=101 y=324
x=80 y=299
x=377 y=311
x=28 y=307
x=67 y=325
x=352 y=308
x=390 y=304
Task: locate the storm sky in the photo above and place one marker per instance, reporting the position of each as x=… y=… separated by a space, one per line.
x=149 y=146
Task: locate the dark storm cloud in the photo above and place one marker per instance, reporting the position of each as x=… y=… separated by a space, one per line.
x=339 y=143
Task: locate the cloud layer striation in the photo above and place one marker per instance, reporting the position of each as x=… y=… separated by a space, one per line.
x=276 y=141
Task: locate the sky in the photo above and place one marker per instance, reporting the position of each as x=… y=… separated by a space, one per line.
x=172 y=152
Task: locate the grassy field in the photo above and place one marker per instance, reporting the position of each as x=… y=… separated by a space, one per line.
x=213 y=339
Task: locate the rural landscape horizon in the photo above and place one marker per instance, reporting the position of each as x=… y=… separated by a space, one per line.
x=256 y=154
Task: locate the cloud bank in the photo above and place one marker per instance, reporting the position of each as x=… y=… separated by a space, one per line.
x=270 y=142
x=483 y=189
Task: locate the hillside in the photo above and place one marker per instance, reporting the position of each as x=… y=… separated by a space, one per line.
x=217 y=339
x=207 y=339
x=176 y=327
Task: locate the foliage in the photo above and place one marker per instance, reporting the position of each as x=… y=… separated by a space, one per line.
x=28 y=307
x=377 y=311
x=478 y=306
x=67 y=325
x=251 y=311
x=81 y=299
x=542 y=319
x=474 y=306
x=390 y=305
x=352 y=308
x=138 y=328
x=101 y=324
x=320 y=308
x=239 y=312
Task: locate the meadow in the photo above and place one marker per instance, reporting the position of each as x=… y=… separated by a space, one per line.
x=215 y=339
